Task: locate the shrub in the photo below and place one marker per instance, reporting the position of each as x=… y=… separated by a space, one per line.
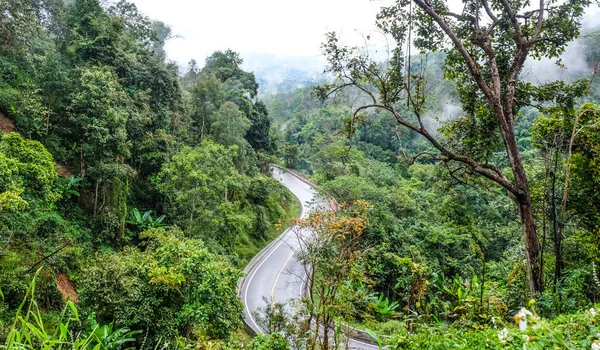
x=175 y=287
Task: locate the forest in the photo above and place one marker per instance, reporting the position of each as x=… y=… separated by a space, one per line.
x=134 y=192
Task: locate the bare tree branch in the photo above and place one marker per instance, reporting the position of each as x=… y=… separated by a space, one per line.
x=515 y=23
x=473 y=68
x=489 y=12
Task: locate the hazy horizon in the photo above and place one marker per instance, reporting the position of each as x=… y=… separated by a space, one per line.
x=275 y=38
x=285 y=30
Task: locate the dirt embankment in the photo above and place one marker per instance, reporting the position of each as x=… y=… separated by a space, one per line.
x=62 y=170
x=64 y=285
x=66 y=288
x=6 y=125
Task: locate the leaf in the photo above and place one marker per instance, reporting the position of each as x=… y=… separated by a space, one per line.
x=73 y=309
x=147 y=215
x=376 y=337
x=138 y=216
x=63 y=331
x=37 y=332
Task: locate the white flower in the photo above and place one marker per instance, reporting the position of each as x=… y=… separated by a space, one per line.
x=521 y=318
x=596 y=345
x=593 y=312
x=503 y=334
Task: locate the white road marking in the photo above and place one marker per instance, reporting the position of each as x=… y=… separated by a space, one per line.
x=277 y=279
x=254 y=273
x=283 y=239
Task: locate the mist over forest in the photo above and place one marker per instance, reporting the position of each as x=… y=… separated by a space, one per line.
x=401 y=174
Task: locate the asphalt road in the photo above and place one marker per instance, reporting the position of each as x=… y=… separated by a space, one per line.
x=275 y=273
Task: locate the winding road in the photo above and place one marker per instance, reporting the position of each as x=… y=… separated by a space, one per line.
x=275 y=273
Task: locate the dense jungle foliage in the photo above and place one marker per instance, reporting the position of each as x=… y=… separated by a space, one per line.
x=132 y=196
x=134 y=192
x=442 y=263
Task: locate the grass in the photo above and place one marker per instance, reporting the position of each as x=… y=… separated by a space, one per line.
x=382 y=328
x=295 y=209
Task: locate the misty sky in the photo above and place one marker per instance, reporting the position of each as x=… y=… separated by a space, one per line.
x=281 y=27
x=278 y=28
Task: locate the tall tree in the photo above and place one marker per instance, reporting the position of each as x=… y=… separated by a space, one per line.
x=241 y=88
x=206 y=99
x=486 y=45
x=230 y=126
x=202 y=187
x=226 y=66
x=97 y=118
x=259 y=135
x=229 y=129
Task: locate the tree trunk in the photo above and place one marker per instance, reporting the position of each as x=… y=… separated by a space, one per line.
x=523 y=199
x=96 y=198
x=202 y=130
x=547 y=162
x=557 y=234
x=530 y=238
x=82 y=164
x=531 y=245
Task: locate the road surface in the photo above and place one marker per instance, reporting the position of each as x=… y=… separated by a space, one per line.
x=275 y=273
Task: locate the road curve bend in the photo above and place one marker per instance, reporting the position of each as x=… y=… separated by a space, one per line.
x=275 y=273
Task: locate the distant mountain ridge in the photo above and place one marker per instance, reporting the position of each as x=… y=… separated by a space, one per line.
x=283 y=74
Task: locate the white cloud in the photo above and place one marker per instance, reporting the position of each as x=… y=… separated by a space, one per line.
x=264 y=31
x=281 y=27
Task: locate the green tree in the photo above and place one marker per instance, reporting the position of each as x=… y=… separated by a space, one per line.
x=21 y=23
x=485 y=59
x=206 y=99
x=259 y=135
x=204 y=189
x=163 y=33
x=28 y=197
x=230 y=126
x=549 y=134
x=334 y=267
x=336 y=159
x=241 y=88
x=207 y=284
x=225 y=65
x=174 y=287
x=98 y=118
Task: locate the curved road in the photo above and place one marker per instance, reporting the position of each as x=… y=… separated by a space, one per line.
x=275 y=273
